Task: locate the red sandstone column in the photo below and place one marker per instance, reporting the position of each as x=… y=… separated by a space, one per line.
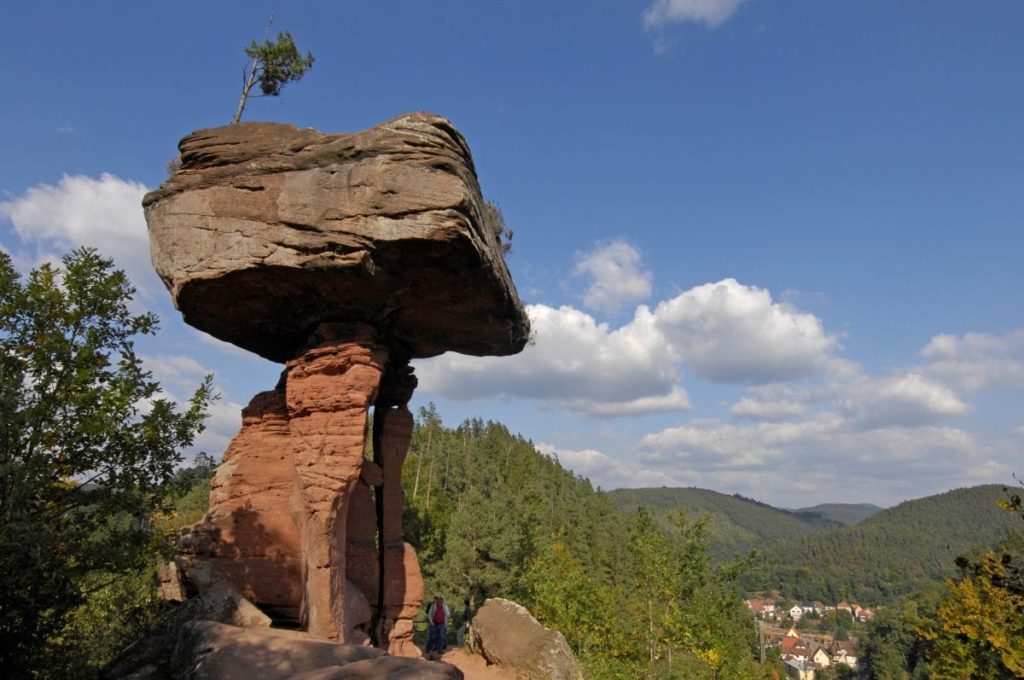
x=248 y=538
x=401 y=583
x=362 y=566
x=330 y=388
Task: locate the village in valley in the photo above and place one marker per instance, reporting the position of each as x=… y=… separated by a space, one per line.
x=813 y=640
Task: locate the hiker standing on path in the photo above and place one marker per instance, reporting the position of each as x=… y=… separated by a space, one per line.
x=438 y=615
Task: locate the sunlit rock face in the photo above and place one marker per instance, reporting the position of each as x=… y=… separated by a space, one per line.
x=507 y=635
x=268 y=231
x=342 y=256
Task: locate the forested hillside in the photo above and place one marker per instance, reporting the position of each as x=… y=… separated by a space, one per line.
x=844 y=513
x=480 y=501
x=492 y=516
x=889 y=553
x=736 y=525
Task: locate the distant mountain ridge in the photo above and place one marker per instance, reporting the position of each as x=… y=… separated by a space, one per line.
x=889 y=553
x=836 y=551
x=844 y=513
x=736 y=524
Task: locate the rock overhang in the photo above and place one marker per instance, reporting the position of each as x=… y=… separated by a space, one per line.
x=267 y=231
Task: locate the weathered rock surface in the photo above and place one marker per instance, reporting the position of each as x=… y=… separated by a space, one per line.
x=171 y=586
x=209 y=650
x=249 y=538
x=268 y=231
x=150 y=657
x=343 y=257
x=507 y=635
x=330 y=390
x=206 y=650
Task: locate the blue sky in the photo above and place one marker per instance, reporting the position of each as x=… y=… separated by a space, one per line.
x=768 y=247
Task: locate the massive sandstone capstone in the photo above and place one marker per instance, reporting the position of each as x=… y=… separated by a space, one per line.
x=342 y=256
x=268 y=231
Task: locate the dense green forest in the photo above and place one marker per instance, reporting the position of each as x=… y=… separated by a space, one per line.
x=480 y=501
x=949 y=570
x=889 y=554
x=811 y=553
x=737 y=525
x=492 y=516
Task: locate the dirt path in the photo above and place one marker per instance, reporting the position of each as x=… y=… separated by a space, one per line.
x=475 y=667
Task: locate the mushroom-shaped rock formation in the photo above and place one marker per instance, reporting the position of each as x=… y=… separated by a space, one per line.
x=342 y=256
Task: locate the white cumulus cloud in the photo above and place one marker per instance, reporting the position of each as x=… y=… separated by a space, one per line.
x=179 y=375
x=713 y=444
x=576 y=362
x=907 y=400
x=725 y=332
x=105 y=213
x=711 y=13
x=860 y=401
x=177 y=370
x=976 y=361
x=732 y=333
x=818 y=459
x=756 y=408
x=616 y=276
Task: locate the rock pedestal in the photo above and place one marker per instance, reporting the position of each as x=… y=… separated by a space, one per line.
x=295 y=483
x=330 y=389
x=401 y=582
x=343 y=257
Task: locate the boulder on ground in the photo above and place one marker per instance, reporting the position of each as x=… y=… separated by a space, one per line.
x=507 y=635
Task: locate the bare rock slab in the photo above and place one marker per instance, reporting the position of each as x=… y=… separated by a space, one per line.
x=207 y=650
x=268 y=231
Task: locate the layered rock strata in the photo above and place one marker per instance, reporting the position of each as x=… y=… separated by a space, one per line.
x=249 y=538
x=343 y=257
x=267 y=231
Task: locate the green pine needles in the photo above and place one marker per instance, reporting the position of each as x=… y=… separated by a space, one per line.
x=273 y=65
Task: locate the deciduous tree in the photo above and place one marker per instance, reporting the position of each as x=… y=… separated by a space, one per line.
x=87 y=445
x=979 y=628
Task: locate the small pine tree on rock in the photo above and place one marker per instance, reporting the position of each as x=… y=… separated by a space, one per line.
x=273 y=65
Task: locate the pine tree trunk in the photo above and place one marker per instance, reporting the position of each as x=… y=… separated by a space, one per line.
x=419 y=461
x=250 y=80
